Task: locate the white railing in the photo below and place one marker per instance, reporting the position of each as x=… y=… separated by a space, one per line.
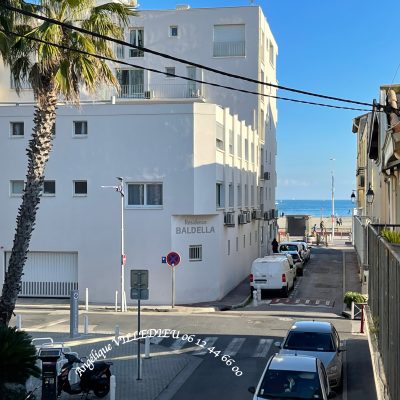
x=229 y=49
x=360 y=237
x=160 y=91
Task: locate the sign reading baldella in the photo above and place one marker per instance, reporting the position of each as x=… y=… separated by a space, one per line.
x=200 y=226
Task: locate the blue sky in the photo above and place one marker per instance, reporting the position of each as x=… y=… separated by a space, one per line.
x=343 y=48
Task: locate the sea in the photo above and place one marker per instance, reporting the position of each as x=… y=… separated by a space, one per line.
x=315 y=208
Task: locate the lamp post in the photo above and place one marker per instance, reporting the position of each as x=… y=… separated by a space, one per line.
x=353 y=200
x=333 y=199
x=120 y=189
x=370 y=194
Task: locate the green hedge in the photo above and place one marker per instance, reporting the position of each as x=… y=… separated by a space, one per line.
x=391 y=236
x=355 y=297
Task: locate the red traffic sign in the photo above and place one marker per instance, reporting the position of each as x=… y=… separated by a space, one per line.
x=173 y=259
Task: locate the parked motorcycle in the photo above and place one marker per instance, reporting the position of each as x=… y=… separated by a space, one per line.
x=96 y=380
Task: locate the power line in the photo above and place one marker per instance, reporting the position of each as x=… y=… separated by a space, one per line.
x=180 y=60
x=176 y=75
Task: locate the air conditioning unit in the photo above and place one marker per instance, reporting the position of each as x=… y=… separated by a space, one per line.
x=266 y=216
x=148 y=94
x=267 y=176
x=242 y=219
x=229 y=219
x=257 y=214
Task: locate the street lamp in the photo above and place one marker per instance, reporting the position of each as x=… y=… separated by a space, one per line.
x=353 y=197
x=120 y=189
x=333 y=199
x=370 y=195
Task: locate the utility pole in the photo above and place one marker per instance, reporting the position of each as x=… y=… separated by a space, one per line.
x=120 y=189
x=333 y=199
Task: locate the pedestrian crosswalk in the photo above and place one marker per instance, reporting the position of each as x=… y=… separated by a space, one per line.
x=255 y=347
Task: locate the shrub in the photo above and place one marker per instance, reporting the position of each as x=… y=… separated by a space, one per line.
x=391 y=236
x=355 y=297
x=17 y=359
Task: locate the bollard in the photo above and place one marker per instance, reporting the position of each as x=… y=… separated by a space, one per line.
x=352 y=310
x=19 y=322
x=113 y=386
x=147 y=347
x=258 y=293
x=116 y=300
x=85 y=324
x=255 y=302
x=116 y=332
x=362 y=319
x=87 y=299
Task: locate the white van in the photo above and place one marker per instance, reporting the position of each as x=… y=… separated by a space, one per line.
x=272 y=273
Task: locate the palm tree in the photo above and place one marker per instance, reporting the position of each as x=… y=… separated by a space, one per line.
x=52 y=73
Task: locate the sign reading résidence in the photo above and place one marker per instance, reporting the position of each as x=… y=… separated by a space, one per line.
x=194 y=229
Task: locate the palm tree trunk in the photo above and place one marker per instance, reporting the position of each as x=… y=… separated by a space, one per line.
x=38 y=153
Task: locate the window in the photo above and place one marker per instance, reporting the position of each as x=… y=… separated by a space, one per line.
x=231 y=195
x=173 y=31
x=16 y=188
x=220 y=195
x=239 y=195
x=246 y=195
x=250 y=238
x=220 y=137
x=237 y=243
x=229 y=247
x=53 y=129
x=131 y=82
x=271 y=54
x=231 y=142
x=170 y=72
x=145 y=194
x=17 y=129
x=120 y=51
x=80 y=128
x=195 y=252
x=136 y=37
x=252 y=152
x=252 y=195
x=229 y=41
x=239 y=145
x=80 y=188
x=244 y=241
x=256 y=236
x=246 y=149
x=49 y=188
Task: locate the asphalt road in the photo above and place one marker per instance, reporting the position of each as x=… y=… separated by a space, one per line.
x=248 y=334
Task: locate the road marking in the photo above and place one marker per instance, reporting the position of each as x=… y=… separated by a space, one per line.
x=178 y=344
x=263 y=348
x=307 y=301
x=317 y=302
x=234 y=346
x=297 y=301
x=59 y=321
x=327 y=302
x=209 y=342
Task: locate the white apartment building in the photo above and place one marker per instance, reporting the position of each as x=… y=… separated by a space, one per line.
x=198 y=164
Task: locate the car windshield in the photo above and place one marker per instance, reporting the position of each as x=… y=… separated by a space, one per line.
x=289 y=247
x=309 y=341
x=281 y=384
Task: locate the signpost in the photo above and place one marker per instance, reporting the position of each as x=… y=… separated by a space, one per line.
x=173 y=259
x=139 y=291
x=73 y=313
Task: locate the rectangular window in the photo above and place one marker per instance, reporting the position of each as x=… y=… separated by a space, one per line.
x=256 y=236
x=131 y=82
x=262 y=234
x=145 y=194
x=80 y=188
x=136 y=37
x=239 y=195
x=120 y=51
x=80 y=128
x=17 y=129
x=231 y=195
x=220 y=136
x=252 y=195
x=49 y=188
x=246 y=195
x=271 y=54
x=246 y=149
x=229 y=41
x=220 y=195
x=195 y=252
x=16 y=188
x=244 y=241
x=229 y=247
x=170 y=72
x=250 y=238
x=239 y=145
x=252 y=152
x=231 y=148
x=173 y=31
x=237 y=243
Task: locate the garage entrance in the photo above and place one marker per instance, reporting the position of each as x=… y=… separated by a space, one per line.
x=48 y=274
x=297 y=224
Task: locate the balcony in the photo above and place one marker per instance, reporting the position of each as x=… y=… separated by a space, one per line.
x=160 y=91
x=229 y=49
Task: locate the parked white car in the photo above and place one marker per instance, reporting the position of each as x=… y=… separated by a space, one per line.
x=306 y=250
x=272 y=273
x=297 y=261
x=291 y=246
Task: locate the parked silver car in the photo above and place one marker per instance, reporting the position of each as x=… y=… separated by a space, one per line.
x=318 y=339
x=293 y=377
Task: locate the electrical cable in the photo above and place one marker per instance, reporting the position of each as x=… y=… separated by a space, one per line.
x=180 y=60
x=177 y=76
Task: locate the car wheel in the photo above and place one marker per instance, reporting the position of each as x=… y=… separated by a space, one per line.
x=285 y=292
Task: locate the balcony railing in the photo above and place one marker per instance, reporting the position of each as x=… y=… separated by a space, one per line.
x=160 y=91
x=229 y=49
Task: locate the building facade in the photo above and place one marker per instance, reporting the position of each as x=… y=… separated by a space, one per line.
x=198 y=164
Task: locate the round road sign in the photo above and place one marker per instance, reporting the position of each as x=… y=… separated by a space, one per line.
x=173 y=259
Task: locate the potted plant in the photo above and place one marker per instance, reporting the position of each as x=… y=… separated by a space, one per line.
x=393 y=237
